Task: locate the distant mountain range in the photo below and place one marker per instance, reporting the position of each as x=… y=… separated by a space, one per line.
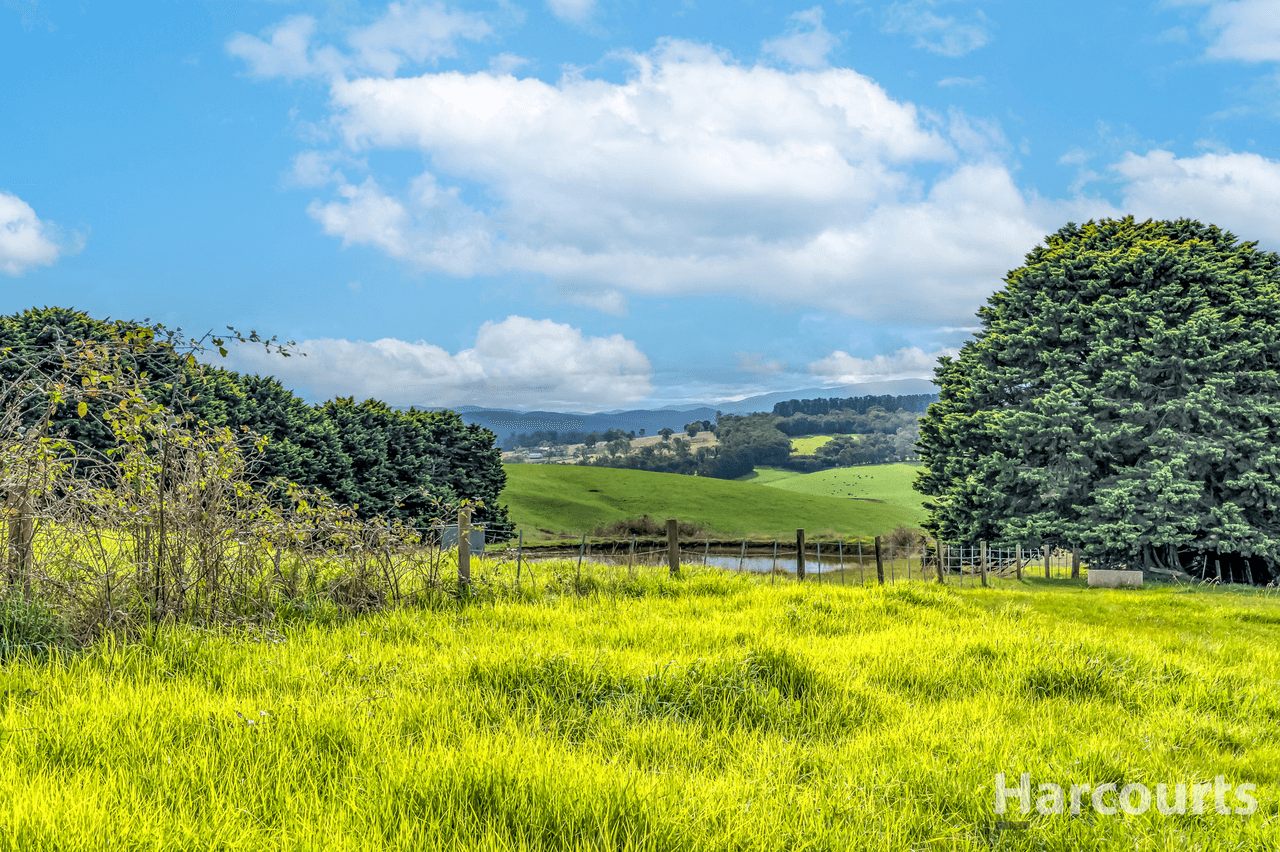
x=505 y=422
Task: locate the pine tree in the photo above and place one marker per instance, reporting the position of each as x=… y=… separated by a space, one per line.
x=1121 y=396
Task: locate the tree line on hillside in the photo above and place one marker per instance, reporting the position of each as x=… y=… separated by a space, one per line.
x=745 y=442
x=403 y=465
x=917 y=403
x=551 y=437
x=876 y=421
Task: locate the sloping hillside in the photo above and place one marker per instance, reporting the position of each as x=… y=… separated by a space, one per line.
x=552 y=500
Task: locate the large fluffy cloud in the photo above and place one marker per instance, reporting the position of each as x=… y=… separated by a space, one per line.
x=515 y=363
x=1233 y=191
x=25 y=240
x=696 y=174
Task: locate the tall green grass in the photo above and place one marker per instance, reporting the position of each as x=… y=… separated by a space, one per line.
x=611 y=711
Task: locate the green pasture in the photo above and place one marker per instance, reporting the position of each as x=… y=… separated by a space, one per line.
x=610 y=712
x=766 y=475
x=554 y=501
x=809 y=444
x=888 y=483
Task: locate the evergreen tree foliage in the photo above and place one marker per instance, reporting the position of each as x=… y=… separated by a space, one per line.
x=402 y=465
x=745 y=442
x=1121 y=396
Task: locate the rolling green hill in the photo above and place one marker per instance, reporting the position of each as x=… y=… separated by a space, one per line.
x=555 y=500
x=890 y=483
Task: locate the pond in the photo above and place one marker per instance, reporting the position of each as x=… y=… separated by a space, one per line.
x=754 y=562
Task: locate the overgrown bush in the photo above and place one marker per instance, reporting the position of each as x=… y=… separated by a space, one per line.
x=645 y=526
x=906 y=538
x=170 y=524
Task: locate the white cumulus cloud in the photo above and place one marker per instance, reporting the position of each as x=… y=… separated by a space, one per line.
x=418 y=33
x=695 y=175
x=1232 y=190
x=515 y=363
x=907 y=363
x=25 y=239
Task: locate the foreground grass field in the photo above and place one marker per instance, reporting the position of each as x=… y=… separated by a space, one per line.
x=559 y=500
x=714 y=712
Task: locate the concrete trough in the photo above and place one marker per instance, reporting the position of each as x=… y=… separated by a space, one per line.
x=1114 y=579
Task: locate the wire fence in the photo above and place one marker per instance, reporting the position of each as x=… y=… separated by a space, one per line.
x=831 y=561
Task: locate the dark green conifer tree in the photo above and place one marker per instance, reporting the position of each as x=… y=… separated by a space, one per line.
x=1121 y=396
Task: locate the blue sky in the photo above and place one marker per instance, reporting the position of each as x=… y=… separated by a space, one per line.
x=590 y=204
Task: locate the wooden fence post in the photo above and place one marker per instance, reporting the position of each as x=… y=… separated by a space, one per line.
x=21 y=550
x=1075 y=563
x=464 y=548
x=1047 y=575
x=982 y=564
x=800 y=555
x=937 y=543
x=879 y=563
x=1019 y=563
x=673 y=546
x=519 y=556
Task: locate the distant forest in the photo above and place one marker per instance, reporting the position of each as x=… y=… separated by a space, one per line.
x=550 y=437
x=919 y=403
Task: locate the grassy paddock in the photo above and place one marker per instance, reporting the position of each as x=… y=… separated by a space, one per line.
x=568 y=499
x=809 y=444
x=890 y=484
x=612 y=712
